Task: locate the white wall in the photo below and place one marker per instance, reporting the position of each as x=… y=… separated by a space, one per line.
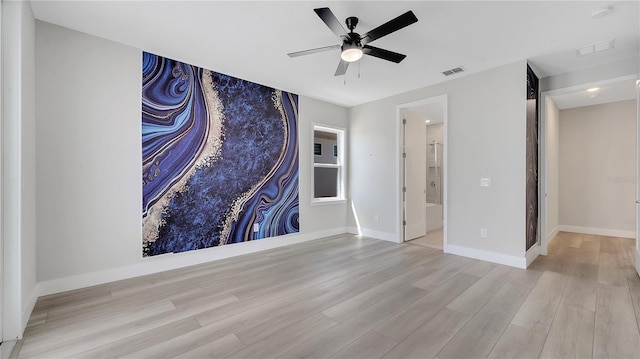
x=89 y=163
x=18 y=168
x=552 y=160
x=486 y=137
x=598 y=168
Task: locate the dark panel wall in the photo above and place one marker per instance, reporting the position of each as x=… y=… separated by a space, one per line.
x=532 y=159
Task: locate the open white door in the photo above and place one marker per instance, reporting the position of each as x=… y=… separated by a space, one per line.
x=415 y=176
x=638 y=178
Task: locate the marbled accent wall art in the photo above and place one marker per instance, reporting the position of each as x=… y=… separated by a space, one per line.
x=219 y=158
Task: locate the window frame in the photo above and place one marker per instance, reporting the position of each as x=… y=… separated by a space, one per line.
x=341 y=164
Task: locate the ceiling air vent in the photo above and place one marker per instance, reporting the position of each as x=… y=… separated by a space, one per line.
x=597 y=47
x=453 y=71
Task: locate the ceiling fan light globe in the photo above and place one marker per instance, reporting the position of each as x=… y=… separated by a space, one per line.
x=351 y=54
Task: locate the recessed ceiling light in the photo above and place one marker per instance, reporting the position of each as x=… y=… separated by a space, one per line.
x=427 y=121
x=593 y=89
x=600 y=13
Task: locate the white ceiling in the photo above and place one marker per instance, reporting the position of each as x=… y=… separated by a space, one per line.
x=434 y=112
x=250 y=40
x=604 y=94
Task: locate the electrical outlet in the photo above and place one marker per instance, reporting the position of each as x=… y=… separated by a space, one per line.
x=483 y=232
x=376 y=218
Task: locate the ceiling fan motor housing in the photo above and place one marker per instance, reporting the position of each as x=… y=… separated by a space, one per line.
x=351 y=22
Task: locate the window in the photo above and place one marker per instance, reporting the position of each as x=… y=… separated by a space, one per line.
x=328 y=166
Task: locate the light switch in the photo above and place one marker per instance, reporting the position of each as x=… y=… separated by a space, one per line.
x=256 y=227
x=485 y=182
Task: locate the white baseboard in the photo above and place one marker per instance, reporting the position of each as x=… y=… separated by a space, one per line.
x=552 y=234
x=512 y=261
x=385 y=236
x=178 y=260
x=597 y=231
x=28 y=309
x=532 y=254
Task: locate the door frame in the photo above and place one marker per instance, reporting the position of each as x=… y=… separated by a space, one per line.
x=400 y=170
x=638 y=177
x=542 y=163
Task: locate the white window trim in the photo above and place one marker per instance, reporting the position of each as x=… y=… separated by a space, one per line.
x=341 y=165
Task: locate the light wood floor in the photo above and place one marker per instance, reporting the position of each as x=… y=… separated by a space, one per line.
x=347 y=297
x=433 y=239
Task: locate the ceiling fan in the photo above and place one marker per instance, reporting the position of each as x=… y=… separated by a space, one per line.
x=354 y=45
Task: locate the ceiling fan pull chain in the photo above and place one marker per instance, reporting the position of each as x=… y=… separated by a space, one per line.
x=345 y=78
x=359 y=68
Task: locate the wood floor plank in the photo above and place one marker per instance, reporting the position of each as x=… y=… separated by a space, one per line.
x=263 y=305
x=471 y=300
x=573 y=240
x=185 y=343
x=263 y=327
x=589 y=252
x=518 y=343
x=634 y=289
x=609 y=245
x=37 y=318
x=343 y=334
x=141 y=340
x=214 y=348
x=39 y=340
x=610 y=272
x=616 y=329
x=287 y=339
x=406 y=321
x=523 y=277
x=428 y=339
x=540 y=306
x=72 y=298
x=477 y=338
x=591 y=237
x=347 y=308
x=479 y=268
x=571 y=334
x=371 y=345
x=580 y=290
x=443 y=274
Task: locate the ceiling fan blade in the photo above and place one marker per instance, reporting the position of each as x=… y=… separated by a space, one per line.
x=390 y=26
x=383 y=54
x=313 y=51
x=331 y=21
x=342 y=68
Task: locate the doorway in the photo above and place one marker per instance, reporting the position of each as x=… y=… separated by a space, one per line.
x=423 y=171
x=608 y=178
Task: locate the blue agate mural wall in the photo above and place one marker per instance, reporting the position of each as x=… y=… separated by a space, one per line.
x=219 y=157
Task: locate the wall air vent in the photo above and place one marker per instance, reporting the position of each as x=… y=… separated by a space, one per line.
x=453 y=71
